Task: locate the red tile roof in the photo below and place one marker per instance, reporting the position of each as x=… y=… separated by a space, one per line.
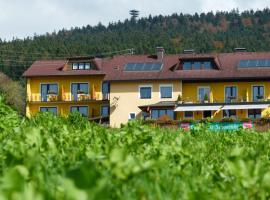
x=55 y=68
x=113 y=68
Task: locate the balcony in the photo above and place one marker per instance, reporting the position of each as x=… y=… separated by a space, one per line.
x=212 y=100
x=67 y=97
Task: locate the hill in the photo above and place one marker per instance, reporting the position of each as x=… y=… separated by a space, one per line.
x=205 y=32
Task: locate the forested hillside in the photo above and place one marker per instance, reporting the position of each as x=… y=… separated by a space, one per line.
x=205 y=32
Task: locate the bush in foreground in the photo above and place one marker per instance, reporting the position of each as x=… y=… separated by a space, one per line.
x=49 y=157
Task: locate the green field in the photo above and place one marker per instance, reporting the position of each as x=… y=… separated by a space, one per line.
x=50 y=157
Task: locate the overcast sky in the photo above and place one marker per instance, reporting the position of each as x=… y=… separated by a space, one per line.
x=22 y=18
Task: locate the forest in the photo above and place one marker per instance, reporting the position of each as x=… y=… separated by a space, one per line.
x=204 y=32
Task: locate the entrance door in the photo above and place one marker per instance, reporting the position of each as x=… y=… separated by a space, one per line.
x=207 y=113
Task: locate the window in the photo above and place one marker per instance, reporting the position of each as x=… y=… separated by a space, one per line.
x=207 y=114
x=49 y=109
x=145 y=92
x=258 y=93
x=75 y=66
x=230 y=93
x=203 y=93
x=81 y=66
x=188 y=114
x=105 y=111
x=132 y=116
x=187 y=66
x=145 y=115
x=229 y=113
x=197 y=65
x=105 y=90
x=83 y=110
x=79 y=88
x=47 y=89
x=157 y=113
x=254 y=113
x=87 y=66
x=166 y=91
x=207 y=65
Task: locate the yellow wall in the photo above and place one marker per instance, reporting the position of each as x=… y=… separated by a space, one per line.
x=124 y=98
x=190 y=90
x=244 y=91
x=64 y=91
x=63 y=109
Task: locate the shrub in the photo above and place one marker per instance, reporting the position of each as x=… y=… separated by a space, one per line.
x=228 y=119
x=187 y=121
x=245 y=120
x=13 y=93
x=207 y=120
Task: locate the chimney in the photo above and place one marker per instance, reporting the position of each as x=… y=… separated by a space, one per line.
x=160 y=53
x=188 y=51
x=240 y=49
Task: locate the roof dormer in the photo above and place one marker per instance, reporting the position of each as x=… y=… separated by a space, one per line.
x=81 y=63
x=197 y=63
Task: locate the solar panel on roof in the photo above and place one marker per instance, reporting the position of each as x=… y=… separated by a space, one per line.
x=150 y=66
x=156 y=66
x=243 y=63
x=147 y=67
x=262 y=63
x=129 y=66
x=254 y=63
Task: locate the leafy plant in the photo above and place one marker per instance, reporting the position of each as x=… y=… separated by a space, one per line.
x=228 y=119
x=50 y=157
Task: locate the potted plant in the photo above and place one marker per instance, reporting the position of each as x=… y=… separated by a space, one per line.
x=51 y=92
x=206 y=99
x=80 y=92
x=179 y=99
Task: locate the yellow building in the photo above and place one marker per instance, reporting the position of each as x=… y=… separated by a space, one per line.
x=126 y=87
x=67 y=86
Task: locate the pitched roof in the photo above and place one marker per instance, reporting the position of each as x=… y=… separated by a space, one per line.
x=55 y=68
x=227 y=64
x=113 y=68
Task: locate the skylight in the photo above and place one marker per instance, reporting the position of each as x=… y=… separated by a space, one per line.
x=150 y=66
x=254 y=63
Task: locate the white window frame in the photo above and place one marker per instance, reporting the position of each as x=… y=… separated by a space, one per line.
x=165 y=85
x=139 y=90
x=80 y=105
x=49 y=83
x=104 y=106
x=49 y=107
x=236 y=114
x=264 y=95
x=204 y=87
x=70 y=88
x=230 y=86
x=129 y=118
